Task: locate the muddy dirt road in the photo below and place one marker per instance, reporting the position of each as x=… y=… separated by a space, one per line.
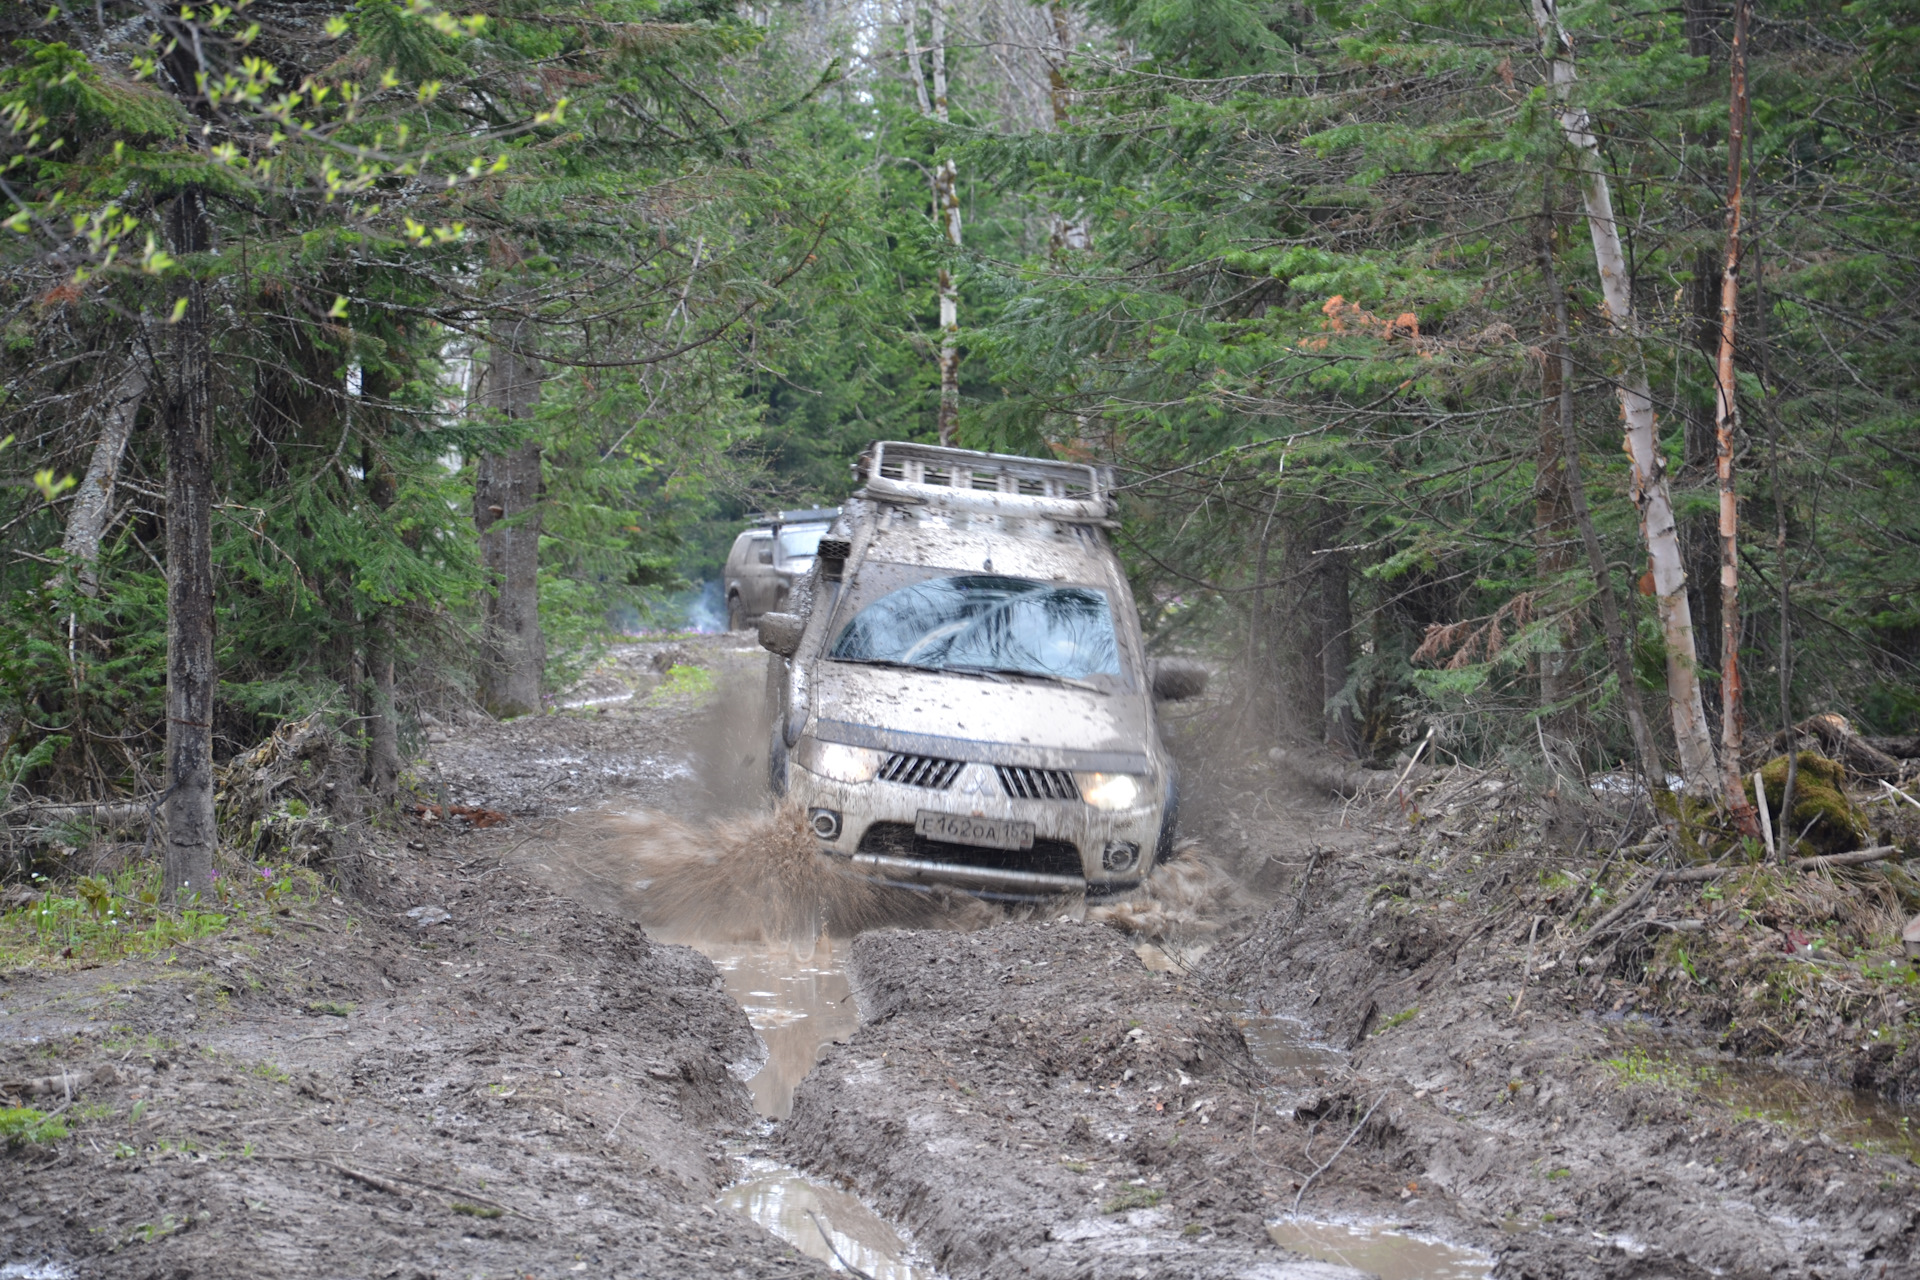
x=1300 y=1056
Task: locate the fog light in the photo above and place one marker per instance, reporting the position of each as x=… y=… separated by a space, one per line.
x=825 y=823
x=1121 y=855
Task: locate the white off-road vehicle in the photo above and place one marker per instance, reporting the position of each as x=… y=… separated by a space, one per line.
x=960 y=694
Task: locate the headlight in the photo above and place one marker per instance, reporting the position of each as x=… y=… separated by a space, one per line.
x=1110 y=790
x=838 y=761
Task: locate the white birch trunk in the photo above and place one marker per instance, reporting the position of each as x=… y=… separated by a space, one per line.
x=93 y=499
x=946 y=203
x=946 y=192
x=1651 y=494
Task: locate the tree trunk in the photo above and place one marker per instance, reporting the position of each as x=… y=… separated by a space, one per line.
x=1553 y=526
x=1651 y=495
x=946 y=202
x=383 y=729
x=93 y=499
x=506 y=510
x=1611 y=625
x=1336 y=641
x=1725 y=422
x=1063 y=233
x=946 y=206
x=191 y=677
x=1700 y=530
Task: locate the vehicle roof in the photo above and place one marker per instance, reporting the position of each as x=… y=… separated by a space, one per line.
x=967 y=542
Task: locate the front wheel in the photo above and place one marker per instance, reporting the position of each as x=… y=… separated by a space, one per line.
x=736 y=616
x=1169 y=821
x=777 y=762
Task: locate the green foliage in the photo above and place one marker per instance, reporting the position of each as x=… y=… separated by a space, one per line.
x=1134 y=1198
x=22 y=1125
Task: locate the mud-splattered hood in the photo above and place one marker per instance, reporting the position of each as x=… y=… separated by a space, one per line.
x=1019 y=713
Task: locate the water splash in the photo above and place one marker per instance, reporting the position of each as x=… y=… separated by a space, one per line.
x=756 y=879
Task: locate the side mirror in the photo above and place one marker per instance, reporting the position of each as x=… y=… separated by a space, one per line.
x=1177 y=679
x=780 y=632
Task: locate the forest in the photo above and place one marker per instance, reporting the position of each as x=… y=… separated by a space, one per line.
x=1533 y=381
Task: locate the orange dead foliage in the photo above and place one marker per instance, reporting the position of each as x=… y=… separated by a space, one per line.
x=1480 y=636
x=472 y=813
x=1350 y=317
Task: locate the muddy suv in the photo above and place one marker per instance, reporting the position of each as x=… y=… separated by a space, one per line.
x=960 y=694
x=768 y=558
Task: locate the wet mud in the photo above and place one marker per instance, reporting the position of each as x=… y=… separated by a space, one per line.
x=647 y=1033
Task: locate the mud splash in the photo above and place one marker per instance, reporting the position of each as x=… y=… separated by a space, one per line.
x=1380 y=1251
x=755 y=879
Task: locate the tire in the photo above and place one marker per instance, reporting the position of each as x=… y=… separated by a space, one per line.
x=736 y=616
x=776 y=726
x=777 y=762
x=1169 y=820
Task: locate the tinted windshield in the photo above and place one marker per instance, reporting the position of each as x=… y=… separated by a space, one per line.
x=802 y=542
x=987 y=623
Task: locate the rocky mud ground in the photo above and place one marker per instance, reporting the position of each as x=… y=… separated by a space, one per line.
x=463 y=1056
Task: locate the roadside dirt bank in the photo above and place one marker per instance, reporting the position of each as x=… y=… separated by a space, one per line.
x=523 y=1087
x=505 y=1082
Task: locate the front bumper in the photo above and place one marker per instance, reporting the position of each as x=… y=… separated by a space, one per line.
x=1071 y=837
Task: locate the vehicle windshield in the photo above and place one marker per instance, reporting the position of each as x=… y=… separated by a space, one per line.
x=801 y=542
x=987 y=623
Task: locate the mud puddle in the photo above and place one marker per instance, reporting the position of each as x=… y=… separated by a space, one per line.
x=1856 y=1118
x=1380 y=1251
x=822 y=1222
x=797 y=998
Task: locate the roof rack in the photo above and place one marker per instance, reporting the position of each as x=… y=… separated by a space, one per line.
x=813 y=515
x=988 y=483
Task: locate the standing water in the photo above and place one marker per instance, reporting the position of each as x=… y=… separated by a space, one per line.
x=796 y=1002
x=799 y=1000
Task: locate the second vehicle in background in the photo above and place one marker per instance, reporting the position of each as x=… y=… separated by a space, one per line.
x=768 y=558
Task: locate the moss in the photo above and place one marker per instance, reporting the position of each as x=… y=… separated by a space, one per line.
x=1696 y=820
x=1833 y=824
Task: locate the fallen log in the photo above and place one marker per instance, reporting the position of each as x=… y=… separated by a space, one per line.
x=1839 y=741
x=66 y=1083
x=1860 y=857
x=106 y=815
x=1337 y=777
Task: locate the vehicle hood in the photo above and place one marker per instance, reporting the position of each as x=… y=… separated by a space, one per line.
x=1021 y=713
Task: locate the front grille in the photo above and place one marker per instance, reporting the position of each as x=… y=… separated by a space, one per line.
x=1036 y=784
x=899 y=840
x=920 y=771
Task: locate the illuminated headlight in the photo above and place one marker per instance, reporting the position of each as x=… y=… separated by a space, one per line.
x=838 y=761
x=1111 y=790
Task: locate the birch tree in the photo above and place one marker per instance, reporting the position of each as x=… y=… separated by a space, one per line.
x=1726 y=421
x=1651 y=492
x=93 y=496
x=946 y=203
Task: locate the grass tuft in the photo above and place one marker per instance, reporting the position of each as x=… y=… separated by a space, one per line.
x=22 y=1125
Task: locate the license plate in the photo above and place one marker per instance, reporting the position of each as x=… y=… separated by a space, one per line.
x=991 y=833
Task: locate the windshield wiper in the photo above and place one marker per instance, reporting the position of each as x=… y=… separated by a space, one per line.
x=897 y=665
x=997 y=674
x=1003 y=672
